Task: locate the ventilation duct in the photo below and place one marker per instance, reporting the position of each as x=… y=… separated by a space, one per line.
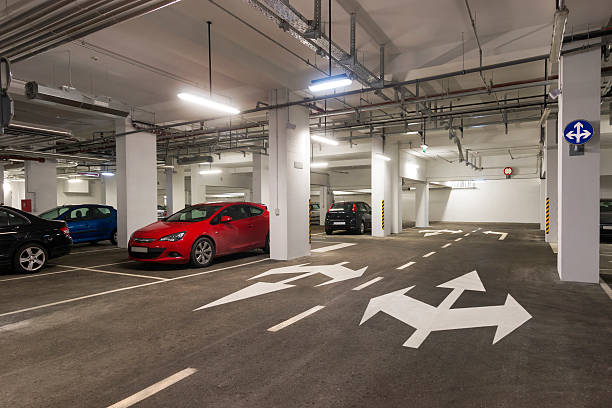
x=195 y=160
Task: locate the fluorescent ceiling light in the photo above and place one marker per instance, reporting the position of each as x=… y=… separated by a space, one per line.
x=382 y=156
x=107 y=174
x=322 y=139
x=208 y=103
x=557 y=34
x=477 y=126
x=412 y=132
x=210 y=171
x=336 y=81
x=7 y=186
x=318 y=165
x=75 y=180
x=364 y=190
x=344 y=193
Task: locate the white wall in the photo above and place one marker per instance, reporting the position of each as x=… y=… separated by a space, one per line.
x=94 y=196
x=514 y=200
x=14 y=193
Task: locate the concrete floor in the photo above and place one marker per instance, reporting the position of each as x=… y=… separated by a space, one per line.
x=95 y=329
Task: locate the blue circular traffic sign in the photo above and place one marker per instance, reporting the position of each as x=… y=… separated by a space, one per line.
x=578 y=132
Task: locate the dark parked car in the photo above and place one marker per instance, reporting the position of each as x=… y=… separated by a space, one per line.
x=27 y=242
x=353 y=216
x=605 y=219
x=87 y=222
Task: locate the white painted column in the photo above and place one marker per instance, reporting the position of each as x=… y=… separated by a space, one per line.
x=552 y=171
x=41 y=184
x=542 y=205
x=325 y=200
x=247 y=195
x=422 y=205
x=198 y=186
x=175 y=188
x=2 y=201
x=578 y=186
x=395 y=210
x=289 y=178
x=261 y=175
x=136 y=181
x=381 y=188
x=109 y=190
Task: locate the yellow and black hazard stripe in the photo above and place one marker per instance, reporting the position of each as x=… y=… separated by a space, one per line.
x=547 y=215
x=383 y=214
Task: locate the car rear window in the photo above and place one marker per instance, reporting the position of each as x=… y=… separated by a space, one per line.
x=341 y=207
x=605 y=206
x=54 y=213
x=194 y=214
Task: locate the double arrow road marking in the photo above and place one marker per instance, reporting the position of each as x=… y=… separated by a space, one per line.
x=502 y=235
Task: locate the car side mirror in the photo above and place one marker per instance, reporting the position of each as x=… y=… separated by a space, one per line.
x=226 y=218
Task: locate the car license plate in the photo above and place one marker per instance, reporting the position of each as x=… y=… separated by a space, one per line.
x=140 y=249
x=607 y=227
x=339 y=223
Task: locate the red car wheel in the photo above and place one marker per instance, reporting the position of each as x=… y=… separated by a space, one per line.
x=202 y=252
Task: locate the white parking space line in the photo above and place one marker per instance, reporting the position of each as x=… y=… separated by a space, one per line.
x=606 y=288
x=368 y=283
x=458 y=239
x=404 y=266
x=466 y=235
x=446 y=245
x=107 y=292
x=429 y=254
x=332 y=247
x=154 y=389
x=35 y=275
x=125 y=274
x=295 y=318
x=96 y=250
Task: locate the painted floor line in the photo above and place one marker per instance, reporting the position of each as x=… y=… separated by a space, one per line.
x=446 y=245
x=368 y=283
x=35 y=275
x=404 y=266
x=332 y=247
x=458 y=239
x=154 y=389
x=125 y=274
x=429 y=254
x=606 y=288
x=95 y=266
x=107 y=292
x=466 y=235
x=95 y=250
x=295 y=318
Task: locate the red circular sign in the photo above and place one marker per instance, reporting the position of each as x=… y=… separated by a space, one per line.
x=508 y=171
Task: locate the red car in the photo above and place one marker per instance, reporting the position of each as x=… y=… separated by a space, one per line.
x=200 y=232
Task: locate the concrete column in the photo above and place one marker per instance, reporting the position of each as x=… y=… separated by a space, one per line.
x=392 y=151
x=175 y=188
x=578 y=184
x=326 y=198
x=422 y=205
x=109 y=191
x=198 y=187
x=2 y=201
x=41 y=184
x=136 y=181
x=247 y=195
x=541 y=209
x=261 y=175
x=550 y=152
x=382 y=185
x=289 y=178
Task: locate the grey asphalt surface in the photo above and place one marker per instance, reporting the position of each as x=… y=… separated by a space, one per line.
x=74 y=337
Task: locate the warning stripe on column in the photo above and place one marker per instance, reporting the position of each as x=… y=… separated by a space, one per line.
x=383 y=214
x=547 y=215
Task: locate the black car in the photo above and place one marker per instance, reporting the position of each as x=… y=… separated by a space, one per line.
x=27 y=242
x=355 y=216
x=605 y=219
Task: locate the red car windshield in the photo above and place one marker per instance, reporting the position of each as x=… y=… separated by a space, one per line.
x=194 y=214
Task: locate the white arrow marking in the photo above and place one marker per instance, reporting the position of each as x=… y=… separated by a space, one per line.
x=426 y=318
x=429 y=233
x=337 y=273
x=502 y=235
x=579 y=134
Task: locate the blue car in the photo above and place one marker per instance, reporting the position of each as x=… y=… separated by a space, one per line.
x=87 y=222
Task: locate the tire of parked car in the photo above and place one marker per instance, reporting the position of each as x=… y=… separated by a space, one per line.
x=329 y=231
x=113 y=237
x=30 y=258
x=202 y=252
x=362 y=228
x=266 y=248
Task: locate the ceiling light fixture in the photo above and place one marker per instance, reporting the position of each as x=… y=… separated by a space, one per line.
x=412 y=132
x=107 y=174
x=210 y=171
x=325 y=140
x=208 y=103
x=318 y=165
x=382 y=156
x=557 y=35
x=75 y=180
x=331 y=82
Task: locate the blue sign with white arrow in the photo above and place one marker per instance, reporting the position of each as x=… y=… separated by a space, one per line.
x=578 y=132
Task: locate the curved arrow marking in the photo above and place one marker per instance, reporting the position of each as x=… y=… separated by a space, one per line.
x=426 y=318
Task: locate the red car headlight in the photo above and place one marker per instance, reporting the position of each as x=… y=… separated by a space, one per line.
x=177 y=236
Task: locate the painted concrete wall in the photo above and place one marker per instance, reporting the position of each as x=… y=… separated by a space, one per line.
x=94 y=196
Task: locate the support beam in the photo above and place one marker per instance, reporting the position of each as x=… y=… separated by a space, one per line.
x=579 y=175
x=289 y=179
x=175 y=188
x=552 y=174
x=261 y=175
x=422 y=205
x=2 y=200
x=198 y=187
x=109 y=191
x=326 y=198
x=385 y=180
x=41 y=184
x=136 y=181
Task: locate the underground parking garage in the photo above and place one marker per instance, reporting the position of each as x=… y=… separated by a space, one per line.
x=312 y=203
